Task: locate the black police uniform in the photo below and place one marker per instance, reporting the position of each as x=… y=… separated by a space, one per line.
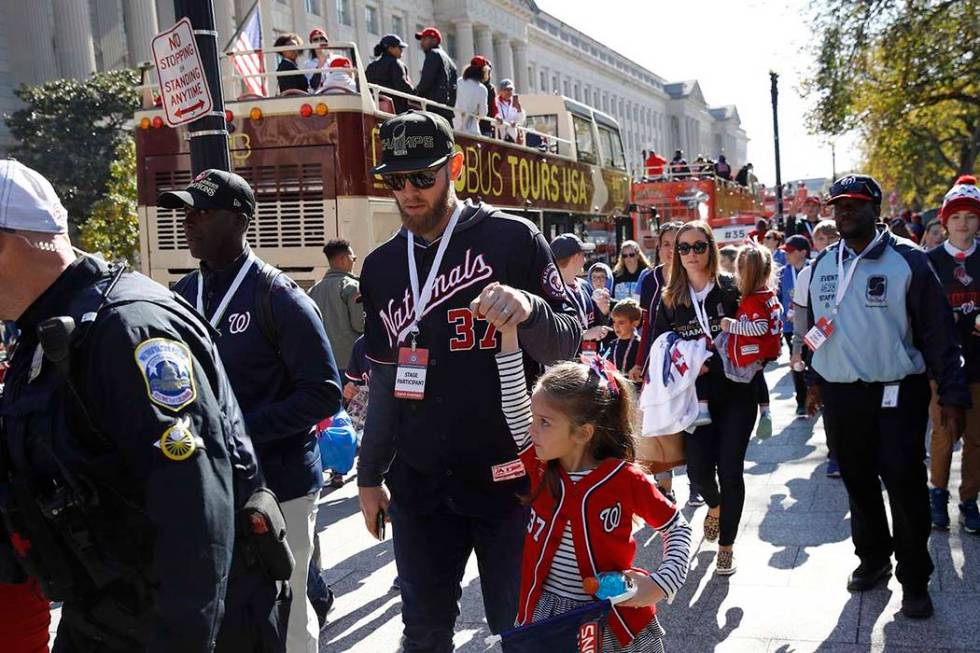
x=121 y=498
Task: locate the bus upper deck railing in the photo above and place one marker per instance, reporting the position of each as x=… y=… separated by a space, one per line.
x=150 y=92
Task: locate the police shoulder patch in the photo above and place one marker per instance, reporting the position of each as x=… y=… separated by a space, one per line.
x=168 y=370
x=177 y=442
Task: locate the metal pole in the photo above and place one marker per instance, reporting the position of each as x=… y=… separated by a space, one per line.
x=833 y=161
x=774 y=92
x=210 y=148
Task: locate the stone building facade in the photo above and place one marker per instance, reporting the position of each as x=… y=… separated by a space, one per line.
x=42 y=40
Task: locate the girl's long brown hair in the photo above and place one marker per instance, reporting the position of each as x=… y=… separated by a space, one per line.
x=578 y=392
x=676 y=291
x=753 y=268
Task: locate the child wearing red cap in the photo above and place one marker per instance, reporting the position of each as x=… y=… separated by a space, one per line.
x=957 y=263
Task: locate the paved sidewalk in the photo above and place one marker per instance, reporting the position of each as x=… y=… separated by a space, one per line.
x=793 y=553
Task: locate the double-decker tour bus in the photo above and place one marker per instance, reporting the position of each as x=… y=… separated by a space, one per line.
x=308 y=158
x=695 y=194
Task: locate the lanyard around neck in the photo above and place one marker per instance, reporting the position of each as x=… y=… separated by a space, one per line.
x=229 y=294
x=421 y=299
x=700 y=312
x=844 y=281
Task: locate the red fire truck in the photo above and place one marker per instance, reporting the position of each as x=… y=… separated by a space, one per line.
x=308 y=159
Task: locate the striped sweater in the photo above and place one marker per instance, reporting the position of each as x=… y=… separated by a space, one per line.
x=597 y=512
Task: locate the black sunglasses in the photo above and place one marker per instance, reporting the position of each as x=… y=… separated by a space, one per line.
x=699 y=247
x=421 y=180
x=630 y=255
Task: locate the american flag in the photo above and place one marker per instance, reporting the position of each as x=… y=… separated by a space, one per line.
x=252 y=65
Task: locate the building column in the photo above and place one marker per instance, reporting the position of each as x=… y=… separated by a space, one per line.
x=464 y=44
x=506 y=54
x=224 y=21
x=141 y=26
x=299 y=18
x=484 y=47
x=31 y=29
x=74 y=48
x=520 y=67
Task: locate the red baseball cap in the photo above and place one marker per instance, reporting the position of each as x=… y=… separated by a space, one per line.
x=340 y=62
x=317 y=31
x=429 y=31
x=812 y=199
x=480 y=61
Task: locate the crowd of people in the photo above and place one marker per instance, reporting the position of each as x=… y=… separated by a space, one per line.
x=656 y=168
x=469 y=101
x=159 y=459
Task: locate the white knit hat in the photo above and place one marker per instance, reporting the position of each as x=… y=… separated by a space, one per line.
x=28 y=201
x=963 y=196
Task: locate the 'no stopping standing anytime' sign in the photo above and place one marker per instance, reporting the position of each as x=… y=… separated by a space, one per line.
x=183 y=86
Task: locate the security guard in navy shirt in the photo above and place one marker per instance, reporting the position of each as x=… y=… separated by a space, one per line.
x=123 y=455
x=277 y=355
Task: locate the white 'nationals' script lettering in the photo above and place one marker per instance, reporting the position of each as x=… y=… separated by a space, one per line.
x=472 y=270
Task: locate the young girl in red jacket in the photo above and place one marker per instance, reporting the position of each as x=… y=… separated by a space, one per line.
x=754 y=333
x=575 y=438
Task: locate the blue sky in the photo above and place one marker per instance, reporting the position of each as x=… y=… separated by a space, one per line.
x=730 y=47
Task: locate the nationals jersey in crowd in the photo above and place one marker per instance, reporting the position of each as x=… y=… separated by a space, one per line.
x=454 y=443
x=959 y=272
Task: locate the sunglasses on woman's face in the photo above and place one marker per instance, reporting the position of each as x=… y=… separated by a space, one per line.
x=421 y=180
x=699 y=247
x=629 y=254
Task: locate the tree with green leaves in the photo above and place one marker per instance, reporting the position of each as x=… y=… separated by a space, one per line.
x=70 y=131
x=112 y=228
x=906 y=75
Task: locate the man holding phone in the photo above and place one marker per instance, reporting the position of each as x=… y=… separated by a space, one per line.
x=510 y=113
x=435 y=433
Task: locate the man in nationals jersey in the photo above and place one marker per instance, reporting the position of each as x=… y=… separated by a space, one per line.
x=435 y=432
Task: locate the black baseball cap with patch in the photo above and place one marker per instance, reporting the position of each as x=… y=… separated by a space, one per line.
x=855 y=187
x=413 y=141
x=212 y=189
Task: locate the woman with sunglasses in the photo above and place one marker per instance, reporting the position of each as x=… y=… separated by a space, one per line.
x=389 y=71
x=318 y=60
x=626 y=275
x=693 y=304
x=773 y=240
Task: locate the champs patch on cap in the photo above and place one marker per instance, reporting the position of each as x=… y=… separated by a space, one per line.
x=167 y=369
x=412 y=141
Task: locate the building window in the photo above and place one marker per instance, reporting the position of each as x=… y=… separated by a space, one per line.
x=313 y=7
x=398 y=26
x=544 y=82
x=371 y=20
x=343 y=12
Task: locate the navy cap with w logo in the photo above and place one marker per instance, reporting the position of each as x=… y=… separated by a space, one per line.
x=856 y=187
x=413 y=141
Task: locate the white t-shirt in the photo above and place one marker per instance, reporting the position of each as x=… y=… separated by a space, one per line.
x=800 y=290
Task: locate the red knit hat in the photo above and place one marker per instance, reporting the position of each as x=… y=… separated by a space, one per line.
x=963 y=196
x=340 y=62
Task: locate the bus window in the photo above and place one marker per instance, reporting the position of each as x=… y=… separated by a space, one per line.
x=612 y=149
x=584 y=142
x=545 y=124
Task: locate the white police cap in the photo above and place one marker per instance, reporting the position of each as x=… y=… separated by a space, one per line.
x=28 y=201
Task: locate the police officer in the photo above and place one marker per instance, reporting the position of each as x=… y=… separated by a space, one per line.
x=122 y=450
x=435 y=432
x=881 y=321
x=279 y=362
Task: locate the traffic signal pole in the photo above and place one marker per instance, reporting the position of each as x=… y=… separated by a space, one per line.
x=774 y=92
x=209 y=134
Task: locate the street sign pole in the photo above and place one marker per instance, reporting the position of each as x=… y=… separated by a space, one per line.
x=209 y=133
x=774 y=92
